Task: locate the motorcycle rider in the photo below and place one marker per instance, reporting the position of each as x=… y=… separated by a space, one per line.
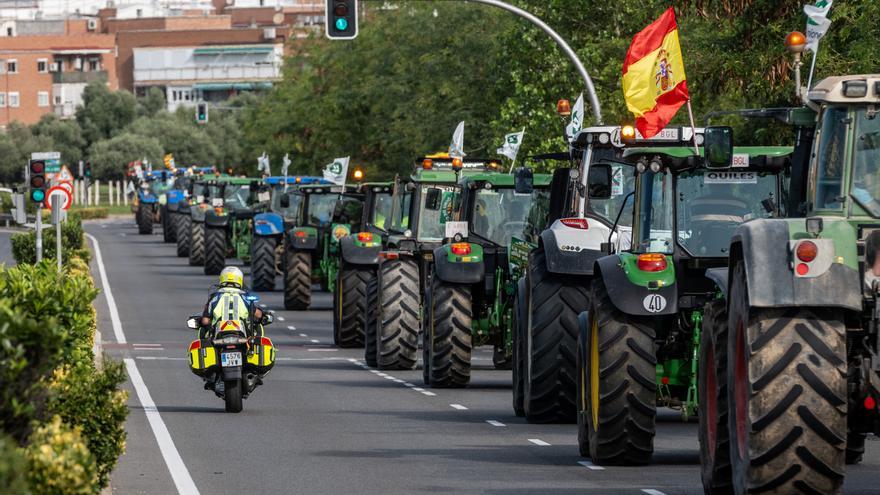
x=229 y=303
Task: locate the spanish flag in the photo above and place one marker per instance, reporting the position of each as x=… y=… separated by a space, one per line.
x=654 y=84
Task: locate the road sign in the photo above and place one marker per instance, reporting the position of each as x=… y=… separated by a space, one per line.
x=52 y=159
x=67 y=185
x=64 y=193
x=64 y=175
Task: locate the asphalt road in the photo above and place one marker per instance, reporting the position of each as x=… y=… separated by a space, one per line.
x=6 y=248
x=323 y=423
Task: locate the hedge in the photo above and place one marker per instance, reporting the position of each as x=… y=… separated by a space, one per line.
x=24 y=245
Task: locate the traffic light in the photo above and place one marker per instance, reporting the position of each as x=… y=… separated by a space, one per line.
x=88 y=170
x=37 y=173
x=341 y=19
x=202 y=113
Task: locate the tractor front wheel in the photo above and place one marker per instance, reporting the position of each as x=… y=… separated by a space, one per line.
x=398 y=314
x=519 y=352
x=167 y=219
x=450 y=335
x=215 y=250
x=349 y=305
x=712 y=391
x=370 y=337
x=297 y=279
x=184 y=226
x=197 y=244
x=263 y=263
x=145 y=219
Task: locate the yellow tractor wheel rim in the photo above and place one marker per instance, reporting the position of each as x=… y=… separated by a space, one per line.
x=594 y=373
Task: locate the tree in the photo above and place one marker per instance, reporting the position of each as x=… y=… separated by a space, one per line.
x=189 y=144
x=152 y=103
x=16 y=147
x=104 y=113
x=66 y=136
x=110 y=156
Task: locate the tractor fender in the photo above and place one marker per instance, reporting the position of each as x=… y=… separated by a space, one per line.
x=268 y=224
x=763 y=247
x=147 y=198
x=212 y=219
x=719 y=276
x=566 y=259
x=357 y=254
x=174 y=197
x=634 y=299
x=457 y=272
x=197 y=214
x=172 y=207
x=303 y=243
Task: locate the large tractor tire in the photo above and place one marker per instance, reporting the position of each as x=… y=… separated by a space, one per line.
x=167 y=225
x=215 y=250
x=786 y=384
x=519 y=352
x=349 y=305
x=554 y=303
x=263 y=263
x=232 y=395
x=197 y=244
x=297 y=279
x=370 y=324
x=712 y=391
x=449 y=335
x=184 y=230
x=620 y=368
x=398 y=314
x=145 y=219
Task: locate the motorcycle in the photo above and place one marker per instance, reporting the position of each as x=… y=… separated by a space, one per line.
x=232 y=363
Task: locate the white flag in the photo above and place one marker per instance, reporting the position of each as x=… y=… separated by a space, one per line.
x=285 y=164
x=511 y=144
x=263 y=164
x=456 y=147
x=337 y=171
x=817 y=22
x=577 y=118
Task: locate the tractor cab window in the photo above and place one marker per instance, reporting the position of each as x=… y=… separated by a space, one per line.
x=432 y=223
x=293 y=208
x=711 y=204
x=500 y=214
x=236 y=195
x=348 y=210
x=830 y=159
x=381 y=210
x=400 y=221
x=320 y=210
x=866 y=162
x=623 y=182
x=158 y=186
x=653 y=230
x=198 y=189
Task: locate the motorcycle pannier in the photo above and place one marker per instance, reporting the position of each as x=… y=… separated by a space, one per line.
x=202 y=356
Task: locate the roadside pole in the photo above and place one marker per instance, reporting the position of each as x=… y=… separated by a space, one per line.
x=56 y=218
x=38 y=226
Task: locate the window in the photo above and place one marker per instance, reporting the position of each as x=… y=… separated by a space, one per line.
x=13 y=99
x=12 y=66
x=2 y=100
x=57 y=99
x=831 y=149
x=94 y=64
x=10 y=32
x=42 y=65
x=43 y=99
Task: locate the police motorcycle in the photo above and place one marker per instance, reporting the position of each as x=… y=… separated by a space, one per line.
x=233 y=360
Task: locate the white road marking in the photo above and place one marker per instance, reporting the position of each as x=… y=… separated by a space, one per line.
x=291 y=327
x=103 y=226
x=315 y=341
x=162 y=358
x=538 y=441
x=303 y=335
x=323 y=350
x=136 y=348
x=280 y=318
x=418 y=389
x=375 y=372
x=495 y=423
x=590 y=465
x=179 y=474
x=458 y=406
x=408 y=384
x=108 y=294
x=383 y=375
x=429 y=394
x=147 y=345
x=651 y=491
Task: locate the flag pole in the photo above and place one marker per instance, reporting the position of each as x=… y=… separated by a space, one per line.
x=693 y=126
x=812 y=67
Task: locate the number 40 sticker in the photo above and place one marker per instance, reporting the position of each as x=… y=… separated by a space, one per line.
x=654 y=303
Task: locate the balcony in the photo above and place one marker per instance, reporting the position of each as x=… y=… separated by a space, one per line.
x=209 y=73
x=76 y=77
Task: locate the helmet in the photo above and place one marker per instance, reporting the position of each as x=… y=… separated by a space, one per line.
x=231 y=277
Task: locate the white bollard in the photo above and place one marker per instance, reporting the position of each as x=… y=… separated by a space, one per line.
x=125 y=197
x=97 y=193
x=75 y=193
x=118 y=192
x=110 y=193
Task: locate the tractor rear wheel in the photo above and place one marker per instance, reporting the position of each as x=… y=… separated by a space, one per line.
x=145 y=219
x=184 y=227
x=398 y=314
x=349 y=305
x=197 y=244
x=297 y=279
x=370 y=337
x=621 y=383
x=263 y=263
x=450 y=335
x=167 y=225
x=787 y=391
x=215 y=250
x=554 y=303
x=519 y=352
x=712 y=391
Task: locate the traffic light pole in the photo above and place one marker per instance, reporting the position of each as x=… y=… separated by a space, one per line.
x=588 y=82
x=38 y=226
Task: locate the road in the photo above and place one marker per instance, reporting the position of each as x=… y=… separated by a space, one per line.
x=6 y=248
x=323 y=423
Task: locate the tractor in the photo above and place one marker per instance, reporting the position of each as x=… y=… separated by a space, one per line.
x=471 y=295
x=229 y=223
x=193 y=196
x=359 y=259
x=420 y=207
x=174 y=201
x=794 y=343
x=326 y=214
x=150 y=188
x=639 y=344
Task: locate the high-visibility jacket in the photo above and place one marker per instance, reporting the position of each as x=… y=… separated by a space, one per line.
x=229 y=310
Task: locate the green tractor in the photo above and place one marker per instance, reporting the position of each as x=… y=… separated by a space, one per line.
x=229 y=223
x=639 y=343
x=795 y=340
x=471 y=295
x=311 y=249
x=193 y=197
x=420 y=207
x=359 y=258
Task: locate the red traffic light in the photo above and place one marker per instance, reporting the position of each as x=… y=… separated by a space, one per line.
x=340 y=9
x=38 y=181
x=38 y=167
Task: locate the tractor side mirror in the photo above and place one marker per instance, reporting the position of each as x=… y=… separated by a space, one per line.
x=523 y=180
x=432 y=199
x=599 y=181
x=718 y=146
x=285 y=201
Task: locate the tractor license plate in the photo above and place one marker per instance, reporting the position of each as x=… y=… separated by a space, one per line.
x=230 y=359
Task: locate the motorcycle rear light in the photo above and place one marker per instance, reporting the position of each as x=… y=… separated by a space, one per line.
x=575 y=223
x=802 y=269
x=461 y=248
x=265 y=341
x=651 y=262
x=806 y=251
x=870 y=403
x=365 y=237
x=300 y=234
x=195 y=345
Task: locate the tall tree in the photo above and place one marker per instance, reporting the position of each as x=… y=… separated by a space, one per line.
x=104 y=113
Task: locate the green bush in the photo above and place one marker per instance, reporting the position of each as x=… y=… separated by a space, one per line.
x=24 y=245
x=91 y=212
x=91 y=400
x=12 y=468
x=59 y=462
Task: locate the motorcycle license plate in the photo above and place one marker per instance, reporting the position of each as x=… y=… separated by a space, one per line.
x=230 y=359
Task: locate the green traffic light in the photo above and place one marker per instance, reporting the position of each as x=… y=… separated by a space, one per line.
x=341 y=24
x=38 y=195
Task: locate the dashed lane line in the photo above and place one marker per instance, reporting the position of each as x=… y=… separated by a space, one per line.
x=280 y=318
x=495 y=422
x=538 y=441
x=315 y=341
x=458 y=406
x=589 y=465
x=651 y=491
